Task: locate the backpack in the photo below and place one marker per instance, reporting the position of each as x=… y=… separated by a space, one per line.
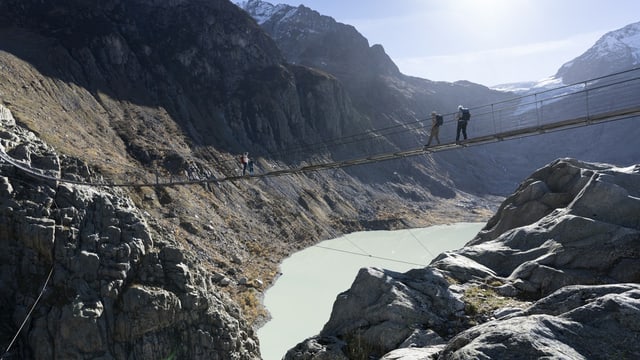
x=439 y=120
x=466 y=115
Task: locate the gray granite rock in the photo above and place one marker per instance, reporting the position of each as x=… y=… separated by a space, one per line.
x=117 y=291
x=567 y=240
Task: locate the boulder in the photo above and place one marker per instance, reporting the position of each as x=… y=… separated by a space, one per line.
x=603 y=325
x=418 y=353
x=592 y=240
x=382 y=309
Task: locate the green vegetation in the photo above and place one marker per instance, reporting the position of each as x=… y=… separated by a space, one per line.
x=359 y=349
x=482 y=300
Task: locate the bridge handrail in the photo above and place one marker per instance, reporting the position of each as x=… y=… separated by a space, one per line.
x=626 y=110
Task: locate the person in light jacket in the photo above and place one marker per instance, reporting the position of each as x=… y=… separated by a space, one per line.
x=435 y=128
x=244 y=161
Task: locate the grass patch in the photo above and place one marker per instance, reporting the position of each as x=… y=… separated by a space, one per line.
x=481 y=301
x=250 y=305
x=359 y=349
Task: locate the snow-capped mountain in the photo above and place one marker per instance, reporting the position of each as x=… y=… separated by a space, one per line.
x=262 y=11
x=617 y=50
x=309 y=38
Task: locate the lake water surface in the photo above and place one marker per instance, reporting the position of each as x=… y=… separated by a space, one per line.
x=301 y=299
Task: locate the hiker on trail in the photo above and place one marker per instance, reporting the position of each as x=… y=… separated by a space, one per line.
x=244 y=160
x=436 y=122
x=251 y=166
x=462 y=116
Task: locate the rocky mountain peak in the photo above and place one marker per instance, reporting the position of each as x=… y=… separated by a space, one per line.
x=263 y=12
x=615 y=51
x=308 y=38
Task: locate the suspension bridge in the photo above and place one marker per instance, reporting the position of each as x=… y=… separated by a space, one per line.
x=604 y=99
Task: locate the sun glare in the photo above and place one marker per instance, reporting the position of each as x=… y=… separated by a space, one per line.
x=487 y=20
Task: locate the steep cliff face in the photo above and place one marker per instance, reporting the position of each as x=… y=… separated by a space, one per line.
x=555 y=273
x=111 y=286
x=307 y=37
x=194 y=59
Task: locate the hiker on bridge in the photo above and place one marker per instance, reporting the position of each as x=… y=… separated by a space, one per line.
x=244 y=161
x=462 y=116
x=436 y=122
x=250 y=166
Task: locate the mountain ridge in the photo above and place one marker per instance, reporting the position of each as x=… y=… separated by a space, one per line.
x=617 y=50
x=394 y=98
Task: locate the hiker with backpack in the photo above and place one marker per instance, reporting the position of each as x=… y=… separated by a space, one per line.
x=462 y=116
x=250 y=166
x=436 y=122
x=244 y=160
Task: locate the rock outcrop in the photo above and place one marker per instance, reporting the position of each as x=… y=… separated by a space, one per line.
x=569 y=223
x=576 y=322
x=555 y=273
x=112 y=287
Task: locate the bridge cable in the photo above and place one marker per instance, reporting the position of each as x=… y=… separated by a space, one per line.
x=369 y=256
x=33 y=306
x=421 y=244
x=481 y=140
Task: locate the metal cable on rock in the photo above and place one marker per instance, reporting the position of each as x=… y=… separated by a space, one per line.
x=26 y=318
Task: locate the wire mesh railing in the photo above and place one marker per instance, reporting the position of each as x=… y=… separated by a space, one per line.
x=610 y=97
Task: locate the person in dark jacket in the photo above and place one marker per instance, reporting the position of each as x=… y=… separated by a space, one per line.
x=462 y=117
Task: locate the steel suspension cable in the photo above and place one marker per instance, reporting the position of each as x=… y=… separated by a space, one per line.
x=26 y=318
x=519 y=133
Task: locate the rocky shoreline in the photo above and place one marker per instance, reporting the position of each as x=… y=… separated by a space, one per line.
x=553 y=274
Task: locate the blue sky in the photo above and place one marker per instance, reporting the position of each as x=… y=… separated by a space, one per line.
x=485 y=41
